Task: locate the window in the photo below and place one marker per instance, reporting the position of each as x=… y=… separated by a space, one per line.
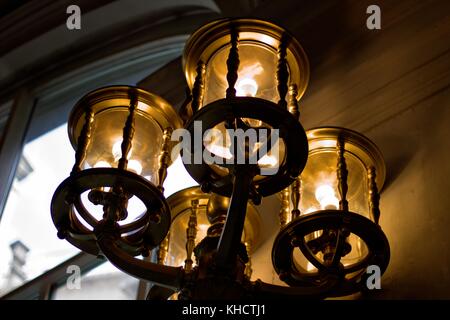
x=102 y=283
x=33 y=261
x=26 y=219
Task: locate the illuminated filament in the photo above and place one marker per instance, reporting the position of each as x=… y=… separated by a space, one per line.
x=327 y=197
x=133 y=165
x=246 y=87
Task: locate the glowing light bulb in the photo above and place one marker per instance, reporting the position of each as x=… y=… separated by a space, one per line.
x=310 y=267
x=246 y=87
x=220 y=151
x=267 y=160
x=310 y=210
x=326 y=196
x=202 y=230
x=117 y=150
x=135 y=166
x=102 y=164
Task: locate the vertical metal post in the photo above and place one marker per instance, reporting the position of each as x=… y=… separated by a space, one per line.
x=295 y=198
x=232 y=64
x=191 y=234
x=342 y=175
x=374 y=196
x=128 y=132
x=284 y=210
x=293 y=103
x=248 y=266
x=83 y=139
x=164 y=158
x=198 y=90
x=282 y=73
x=163 y=250
x=230 y=238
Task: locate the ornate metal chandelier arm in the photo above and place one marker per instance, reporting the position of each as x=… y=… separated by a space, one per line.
x=165 y=276
x=270 y=291
x=230 y=239
x=339 y=250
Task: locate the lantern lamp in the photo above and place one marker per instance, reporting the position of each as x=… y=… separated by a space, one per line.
x=245 y=74
x=334 y=211
x=121 y=136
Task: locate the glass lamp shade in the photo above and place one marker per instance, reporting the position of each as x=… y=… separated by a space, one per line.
x=319 y=179
x=319 y=185
x=111 y=108
x=218 y=143
x=258 y=43
x=211 y=209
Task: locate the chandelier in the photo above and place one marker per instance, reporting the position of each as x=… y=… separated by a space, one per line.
x=241 y=141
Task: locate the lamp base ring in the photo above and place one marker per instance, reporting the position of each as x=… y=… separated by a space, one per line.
x=290 y=130
x=353 y=276
x=136 y=237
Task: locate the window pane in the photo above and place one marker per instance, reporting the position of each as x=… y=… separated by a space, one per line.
x=102 y=283
x=28 y=242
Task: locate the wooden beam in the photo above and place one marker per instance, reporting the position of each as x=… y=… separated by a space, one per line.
x=99 y=46
x=35 y=18
x=168 y=82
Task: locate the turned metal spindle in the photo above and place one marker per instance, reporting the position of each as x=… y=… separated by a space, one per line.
x=284 y=210
x=163 y=249
x=248 y=266
x=198 y=90
x=191 y=234
x=342 y=175
x=83 y=140
x=128 y=133
x=282 y=73
x=295 y=198
x=232 y=64
x=186 y=111
x=374 y=196
x=164 y=158
x=293 y=103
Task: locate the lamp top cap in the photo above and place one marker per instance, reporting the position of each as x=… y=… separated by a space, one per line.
x=121 y=96
x=324 y=138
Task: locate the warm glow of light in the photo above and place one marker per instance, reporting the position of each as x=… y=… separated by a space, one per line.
x=202 y=230
x=117 y=151
x=246 y=87
x=135 y=166
x=268 y=160
x=220 y=151
x=102 y=164
x=326 y=196
x=310 y=267
x=310 y=210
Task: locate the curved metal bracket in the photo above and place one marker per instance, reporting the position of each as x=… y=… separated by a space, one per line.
x=164 y=276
